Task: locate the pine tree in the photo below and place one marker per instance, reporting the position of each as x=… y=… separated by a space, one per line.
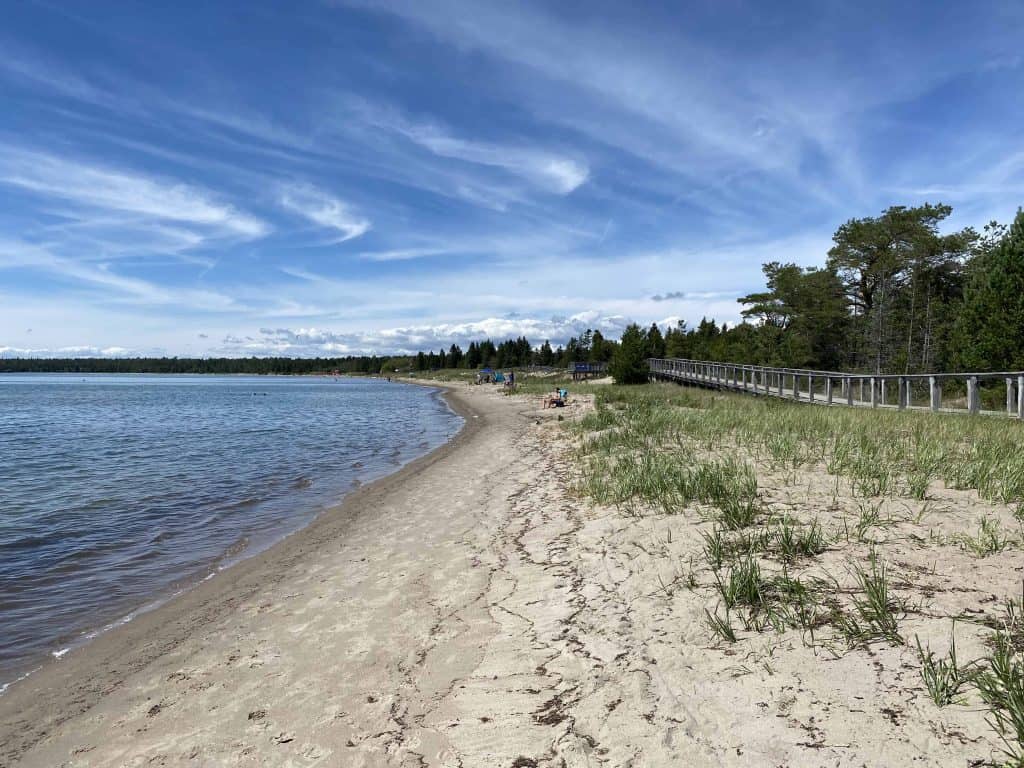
x=629 y=364
x=990 y=329
x=546 y=356
x=655 y=342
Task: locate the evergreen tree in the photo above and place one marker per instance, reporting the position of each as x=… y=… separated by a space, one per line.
x=546 y=356
x=629 y=364
x=677 y=342
x=455 y=356
x=655 y=342
x=473 y=355
x=600 y=350
x=990 y=328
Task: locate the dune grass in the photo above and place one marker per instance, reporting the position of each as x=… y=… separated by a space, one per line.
x=665 y=449
x=879 y=454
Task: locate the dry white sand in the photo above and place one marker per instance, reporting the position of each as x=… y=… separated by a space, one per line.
x=472 y=611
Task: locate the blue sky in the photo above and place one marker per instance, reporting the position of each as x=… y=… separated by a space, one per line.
x=353 y=176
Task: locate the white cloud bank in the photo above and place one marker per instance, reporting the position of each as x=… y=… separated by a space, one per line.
x=82 y=350
x=305 y=342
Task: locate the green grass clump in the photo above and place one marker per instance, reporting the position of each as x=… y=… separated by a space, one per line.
x=792 y=541
x=742 y=585
x=944 y=678
x=990 y=540
x=720 y=627
x=876 y=612
x=1001 y=687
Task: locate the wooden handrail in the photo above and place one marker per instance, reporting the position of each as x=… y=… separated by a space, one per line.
x=772 y=381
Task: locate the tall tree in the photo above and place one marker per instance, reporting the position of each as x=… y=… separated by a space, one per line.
x=655 y=342
x=876 y=257
x=803 y=316
x=629 y=363
x=546 y=356
x=990 y=328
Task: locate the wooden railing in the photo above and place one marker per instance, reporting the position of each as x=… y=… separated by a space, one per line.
x=852 y=389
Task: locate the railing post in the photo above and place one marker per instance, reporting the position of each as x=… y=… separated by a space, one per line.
x=1011 y=401
x=881 y=391
x=903 y=394
x=861 y=383
x=828 y=390
x=973 y=399
x=810 y=388
x=849 y=391
x=796 y=387
x=781 y=382
x=874 y=393
x=934 y=393
x=1020 y=397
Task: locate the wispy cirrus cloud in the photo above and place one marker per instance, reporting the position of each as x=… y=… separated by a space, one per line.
x=100 y=188
x=554 y=172
x=118 y=288
x=324 y=210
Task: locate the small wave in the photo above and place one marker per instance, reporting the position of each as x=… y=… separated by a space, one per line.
x=59 y=654
x=236 y=547
x=302 y=482
x=240 y=504
x=5 y=686
x=160 y=536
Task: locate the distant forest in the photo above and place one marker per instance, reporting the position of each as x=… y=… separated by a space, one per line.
x=894 y=296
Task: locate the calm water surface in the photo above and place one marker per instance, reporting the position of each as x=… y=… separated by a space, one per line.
x=117 y=491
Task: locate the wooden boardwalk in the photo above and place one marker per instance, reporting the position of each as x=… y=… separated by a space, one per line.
x=900 y=392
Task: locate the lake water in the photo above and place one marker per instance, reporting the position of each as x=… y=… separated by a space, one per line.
x=118 y=491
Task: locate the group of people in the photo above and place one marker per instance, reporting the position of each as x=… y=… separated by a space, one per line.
x=488 y=376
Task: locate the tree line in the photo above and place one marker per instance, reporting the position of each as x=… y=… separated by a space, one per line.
x=590 y=346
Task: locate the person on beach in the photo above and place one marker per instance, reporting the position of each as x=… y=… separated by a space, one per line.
x=554 y=400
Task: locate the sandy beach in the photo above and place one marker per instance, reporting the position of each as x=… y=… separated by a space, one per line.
x=471 y=610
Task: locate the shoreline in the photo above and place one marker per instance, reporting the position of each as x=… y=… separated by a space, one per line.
x=476 y=610
x=227 y=560
x=65 y=686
